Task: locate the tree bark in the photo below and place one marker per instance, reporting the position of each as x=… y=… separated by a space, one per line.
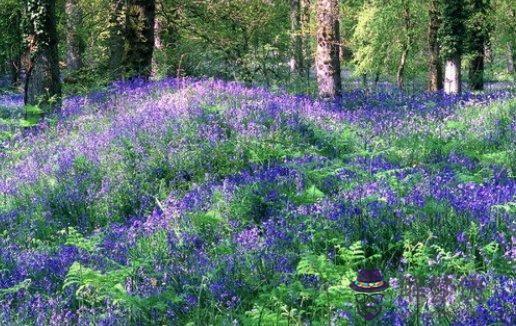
x=452 y=76
x=435 y=69
x=42 y=85
x=376 y=78
x=328 y=44
x=116 y=38
x=510 y=58
x=452 y=33
x=400 y=76
x=14 y=67
x=140 y=37
x=407 y=24
x=75 y=44
x=296 y=57
x=15 y=53
x=478 y=40
x=476 y=70
x=158 y=46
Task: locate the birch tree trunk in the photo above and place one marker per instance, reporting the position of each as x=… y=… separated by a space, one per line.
x=328 y=44
x=452 y=76
x=75 y=44
x=158 y=46
x=452 y=32
x=42 y=84
x=435 y=69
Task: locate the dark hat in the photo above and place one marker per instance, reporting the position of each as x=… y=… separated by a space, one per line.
x=369 y=280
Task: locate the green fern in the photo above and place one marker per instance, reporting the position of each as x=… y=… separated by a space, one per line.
x=74 y=238
x=94 y=287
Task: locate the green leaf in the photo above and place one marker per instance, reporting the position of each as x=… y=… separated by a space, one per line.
x=27 y=123
x=33 y=110
x=311 y=195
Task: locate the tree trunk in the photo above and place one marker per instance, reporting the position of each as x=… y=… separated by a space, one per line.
x=407 y=24
x=140 y=37
x=296 y=56
x=305 y=32
x=452 y=76
x=328 y=44
x=376 y=78
x=452 y=31
x=401 y=68
x=476 y=70
x=42 y=85
x=510 y=58
x=116 y=38
x=15 y=53
x=158 y=46
x=435 y=69
x=14 y=67
x=479 y=35
x=75 y=44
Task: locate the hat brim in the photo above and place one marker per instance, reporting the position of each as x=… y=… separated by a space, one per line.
x=356 y=288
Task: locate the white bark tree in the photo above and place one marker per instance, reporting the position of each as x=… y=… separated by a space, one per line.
x=328 y=45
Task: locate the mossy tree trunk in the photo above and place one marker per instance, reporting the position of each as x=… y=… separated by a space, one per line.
x=451 y=36
x=116 y=38
x=140 y=17
x=42 y=85
x=478 y=32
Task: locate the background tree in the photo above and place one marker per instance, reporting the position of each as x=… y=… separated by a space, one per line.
x=376 y=50
x=74 y=41
x=42 y=84
x=254 y=41
x=296 y=58
x=139 y=37
x=306 y=12
x=452 y=33
x=478 y=28
x=246 y=40
x=406 y=43
x=504 y=36
x=11 y=42
x=435 y=69
x=328 y=48
x=159 y=46
x=116 y=37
